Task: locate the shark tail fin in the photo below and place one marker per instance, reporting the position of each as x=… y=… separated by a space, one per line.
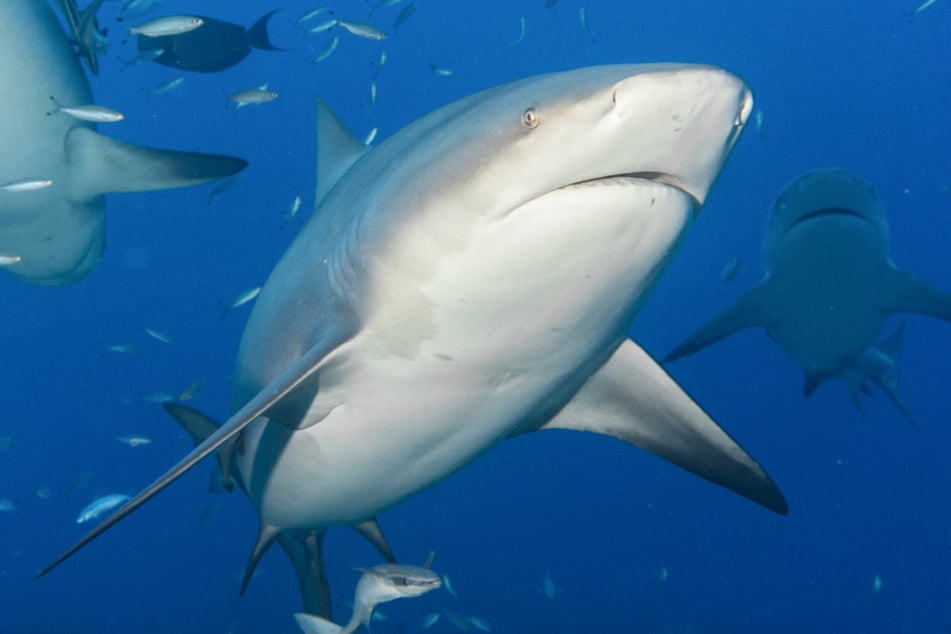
x=632 y=399
x=108 y=165
x=912 y=295
x=751 y=309
x=258 y=36
x=310 y=624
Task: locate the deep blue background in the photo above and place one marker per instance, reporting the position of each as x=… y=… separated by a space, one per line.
x=848 y=83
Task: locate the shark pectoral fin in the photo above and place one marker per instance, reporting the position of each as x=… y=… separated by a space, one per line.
x=199 y=427
x=755 y=308
x=105 y=165
x=908 y=294
x=632 y=399
x=299 y=372
x=811 y=380
x=370 y=530
x=267 y=534
x=310 y=624
x=337 y=150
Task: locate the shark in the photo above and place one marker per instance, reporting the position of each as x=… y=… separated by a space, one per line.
x=379 y=584
x=469 y=280
x=56 y=234
x=879 y=366
x=829 y=283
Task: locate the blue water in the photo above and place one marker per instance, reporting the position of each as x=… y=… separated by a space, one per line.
x=844 y=83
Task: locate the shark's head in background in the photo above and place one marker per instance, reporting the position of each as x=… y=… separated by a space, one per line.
x=832 y=194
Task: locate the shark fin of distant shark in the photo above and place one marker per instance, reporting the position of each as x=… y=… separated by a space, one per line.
x=632 y=399
x=754 y=308
x=337 y=150
x=909 y=294
x=299 y=372
x=106 y=165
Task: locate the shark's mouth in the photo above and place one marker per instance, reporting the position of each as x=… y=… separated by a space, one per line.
x=653 y=177
x=827 y=212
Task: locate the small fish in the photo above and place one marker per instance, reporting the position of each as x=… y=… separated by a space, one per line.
x=372 y=93
x=730 y=270
x=26 y=184
x=430 y=620
x=134 y=441
x=8 y=259
x=361 y=29
x=324 y=26
x=549 y=589
x=877 y=584
x=371 y=135
x=138 y=8
x=328 y=50
x=461 y=622
x=158 y=397
x=43 y=493
x=170 y=25
x=93 y=113
x=440 y=70
x=479 y=624
x=79 y=482
x=295 y=207
x=663 y=574
x=758 y=119
x=521 y=32
x=122 y=348
x=924 y=5
x=382 y=4
x=252 y=96
x=448 y=583
x=101 y=505
x=310 y=15
x=165 y=87
x=224 y=185
x=158 y=336
x=583 y=17
x=9 y=506
x=405 y=13
x=242 y=298
x=147 y=55
x=192 y=390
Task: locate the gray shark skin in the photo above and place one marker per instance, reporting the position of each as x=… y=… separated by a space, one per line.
x=879 y=366
x=58 y=231
x=471 y=279
x=829 y=284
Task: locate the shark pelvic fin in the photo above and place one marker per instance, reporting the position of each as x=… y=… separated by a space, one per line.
x=337 y=150
x=266 y=536
x=752 y=309
x=370 y=530
x=107 y=165
x=632 y=399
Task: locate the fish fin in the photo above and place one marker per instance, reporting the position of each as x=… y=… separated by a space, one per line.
x=199 y=427
x=755 y=308
x=258 y=36
x=310 y=624
x=632 y=399
x=895 y=397
x=267 y=534
x=866 y=390
x=298 y=373
x=812 y=380
x=107 y=165
x=370 y=530
x=428 y=564
x=305 y=550
x=908 y=294
x=337 y=150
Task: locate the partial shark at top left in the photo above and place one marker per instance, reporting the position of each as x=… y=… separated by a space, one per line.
x=54 y=235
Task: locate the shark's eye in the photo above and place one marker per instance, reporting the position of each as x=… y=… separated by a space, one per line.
x=530 y=118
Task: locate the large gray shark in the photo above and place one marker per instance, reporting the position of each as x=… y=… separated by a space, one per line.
x=58 y=232
x=471 y=279
x=829 y=284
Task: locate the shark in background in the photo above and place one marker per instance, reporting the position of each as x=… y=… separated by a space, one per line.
x=452 y=290
x=54 y=234
x=829 y=285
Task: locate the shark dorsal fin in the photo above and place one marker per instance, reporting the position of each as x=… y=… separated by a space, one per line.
x=337 y=150
x=428 y=564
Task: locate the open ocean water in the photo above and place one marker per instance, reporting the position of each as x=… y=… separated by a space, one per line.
x=632 y=543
